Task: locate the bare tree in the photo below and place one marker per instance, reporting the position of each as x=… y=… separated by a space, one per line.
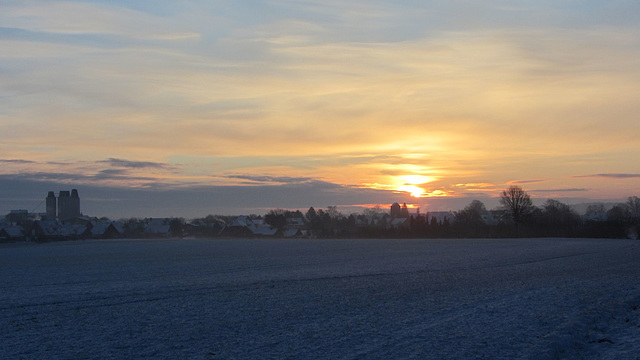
x=633 y=204
x=372 y=211
x=517 y=202
x=557 y=215
x=333 y=212
x=595 y=209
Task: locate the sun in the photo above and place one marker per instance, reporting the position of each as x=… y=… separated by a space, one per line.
x=415 y=191
x=410 y=184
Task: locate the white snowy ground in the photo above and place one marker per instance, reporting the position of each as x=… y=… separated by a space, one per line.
x=321 y=299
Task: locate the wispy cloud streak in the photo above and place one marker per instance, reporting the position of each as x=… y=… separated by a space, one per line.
x=133 y=164
x=610 y=176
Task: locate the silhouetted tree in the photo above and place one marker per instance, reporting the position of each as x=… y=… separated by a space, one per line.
x=517 y=203
x=372 y=211
x=595 y=209
x=133 y=226
x=311 y=214
x=176 y=226
x=558 y=219
x=333 y=212
x=633 y=205
x=618 y=214
x=314 y=222
x=471 y=214
x=404 y=211
x=276 y=218
x=469 y=220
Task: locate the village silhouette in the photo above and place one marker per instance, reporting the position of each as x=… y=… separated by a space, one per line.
x=516 y=217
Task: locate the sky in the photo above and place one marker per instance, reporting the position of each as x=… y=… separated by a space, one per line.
x=189 y=108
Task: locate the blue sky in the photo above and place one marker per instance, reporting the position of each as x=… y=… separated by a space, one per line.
x=373 y=100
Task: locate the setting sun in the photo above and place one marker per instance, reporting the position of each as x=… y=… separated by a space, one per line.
x=415 y=191
x=410 y=184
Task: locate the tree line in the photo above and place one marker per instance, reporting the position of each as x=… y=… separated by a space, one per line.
x=516 y=217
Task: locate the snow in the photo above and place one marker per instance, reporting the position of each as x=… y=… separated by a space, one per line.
x=321 y=299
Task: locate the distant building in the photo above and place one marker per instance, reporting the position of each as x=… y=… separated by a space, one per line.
x=106 y=229
x=404 y=211
x=17 y=216
x=245 y=226
x=158 y=227
x=396 y=212
x=67 y=205
x=52 y=206
x=49 y=230
x=11 y=232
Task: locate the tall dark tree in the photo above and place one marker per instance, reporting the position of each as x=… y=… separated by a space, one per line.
x=276 y=218
x=472 y=214
x=176 y=226
x=595 y=209
x=618 y=213
x=633 y=204
x=333 y=212
x=311 y=214
x=517 y=203
x=559 y=213
x=558 y=219
x=313 y=219
x=133 y=226
x=469 y=221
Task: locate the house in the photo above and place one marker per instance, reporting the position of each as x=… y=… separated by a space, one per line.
x=106 y=229
x=211 y=227
x=295 y=223
x=11 y=233
x=74 y=230
x=17 y=216
x=240 y=226
x=49 y=230
x=158 y=227
x=295 y=233
x=264 y=230
x=245 y=226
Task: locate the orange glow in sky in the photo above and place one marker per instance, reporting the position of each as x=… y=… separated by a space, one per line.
x=411 y=184
x=415 y=191
x=375 y=101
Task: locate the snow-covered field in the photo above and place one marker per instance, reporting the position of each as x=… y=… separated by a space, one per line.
x=321 y=299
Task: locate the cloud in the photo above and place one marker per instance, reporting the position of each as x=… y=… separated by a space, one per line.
x=66 y=17
x=559 y=190
x=133 y=164
x=517 y=182
x=271 y=179
x=17 y=161
x=71 y=178
x=612 y=176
